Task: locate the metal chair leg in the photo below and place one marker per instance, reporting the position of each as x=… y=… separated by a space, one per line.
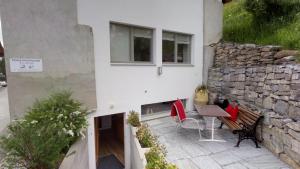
x=221 y=125
x=200 y=134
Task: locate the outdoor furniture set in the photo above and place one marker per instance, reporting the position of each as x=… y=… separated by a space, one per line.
x=244 y=124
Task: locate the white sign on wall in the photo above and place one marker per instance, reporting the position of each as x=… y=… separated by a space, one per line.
x=26 y=65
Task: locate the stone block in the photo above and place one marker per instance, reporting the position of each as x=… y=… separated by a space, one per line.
x=287 y=140
x=292 y=154
x=294 y=103
x=295 y=81
x=259 y=101
x=284 y=88
x=269 y=69
x=240 y=71
x=294 y=126
x=294 y=134
x=288 y=70
x=267 y=119
x=281 y=107
x=295 y=145
x=277 y=122
x=280 y=81
x=279 y=76
x=270 y=76
x=237 y=92
x=296 y=68
x=275 y=88
x=295 y=95
x=268 y=103
x=266 y=54
x=267 y=87
x=295 y=86
x=285 y=53
x=278 y=69
x=294 y=112
x=265 y=49
x=277 y=140
x=296 y=76
x=289 y=161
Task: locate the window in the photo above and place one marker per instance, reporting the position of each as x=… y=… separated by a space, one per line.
x=130 y=44
x=176 y=48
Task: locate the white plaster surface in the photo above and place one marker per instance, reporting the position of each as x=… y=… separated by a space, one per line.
x=4 y=108
x=121 y=88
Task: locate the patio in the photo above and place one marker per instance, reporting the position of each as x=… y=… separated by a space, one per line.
x=187 y=152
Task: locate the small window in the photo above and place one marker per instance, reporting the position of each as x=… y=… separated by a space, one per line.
x=176 y=48
x=130 y=44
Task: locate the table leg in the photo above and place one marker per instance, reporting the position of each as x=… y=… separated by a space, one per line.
x=213 y=128
x=212 y=133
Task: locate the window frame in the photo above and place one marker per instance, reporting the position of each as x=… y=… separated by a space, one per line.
x=131 y=44
x=176 y=42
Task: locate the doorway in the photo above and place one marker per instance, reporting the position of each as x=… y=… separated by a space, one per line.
x=109 y=140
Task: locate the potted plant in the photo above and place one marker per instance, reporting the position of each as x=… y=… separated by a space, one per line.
x=201 y=95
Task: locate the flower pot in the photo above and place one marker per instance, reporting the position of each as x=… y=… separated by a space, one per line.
x=201 y=97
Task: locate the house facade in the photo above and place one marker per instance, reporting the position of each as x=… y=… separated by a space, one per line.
x=116 y=56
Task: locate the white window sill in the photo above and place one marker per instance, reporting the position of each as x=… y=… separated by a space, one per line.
x=132 y=64
x=178 y=65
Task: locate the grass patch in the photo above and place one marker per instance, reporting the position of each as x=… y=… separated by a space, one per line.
x=239 y=26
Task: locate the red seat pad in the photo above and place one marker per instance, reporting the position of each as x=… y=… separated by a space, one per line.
x=173 y=111
x=178 y=109
x=233 y=111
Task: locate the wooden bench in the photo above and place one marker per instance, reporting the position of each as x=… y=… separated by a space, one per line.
x=245 y=126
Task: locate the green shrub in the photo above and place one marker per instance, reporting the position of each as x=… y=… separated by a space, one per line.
x=145 y=136
x=242 y=26
x=267 y=10
x=133 y=119
x=60 y=111
x=157 y=154
x=43 y=136
x=156 y=160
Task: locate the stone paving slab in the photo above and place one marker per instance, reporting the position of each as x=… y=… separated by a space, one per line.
x=187 y=152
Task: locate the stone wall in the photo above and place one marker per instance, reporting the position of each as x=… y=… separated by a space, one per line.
x=236 y=55
x=268 y=83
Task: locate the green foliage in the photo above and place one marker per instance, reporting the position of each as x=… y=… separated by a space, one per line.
x=43 y=136
x=61 y=111
x=267 y=10
x=156 y=157
x=133 y=119
x=145 y=136
x=156 y=160
x=242 y=26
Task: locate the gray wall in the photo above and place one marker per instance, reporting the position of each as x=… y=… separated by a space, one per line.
x=213 y=28
x=266 y=80
x=47 y=29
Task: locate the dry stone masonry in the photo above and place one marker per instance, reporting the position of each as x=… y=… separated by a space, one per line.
x=237 y=55
x=265 y=79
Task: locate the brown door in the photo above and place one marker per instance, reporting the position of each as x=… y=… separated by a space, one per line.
x=97 y=137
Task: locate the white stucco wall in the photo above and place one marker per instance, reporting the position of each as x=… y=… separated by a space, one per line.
x=121 y=88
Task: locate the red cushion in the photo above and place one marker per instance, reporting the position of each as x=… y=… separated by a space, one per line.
x=173 y=111
x=179 y=109
x=233 y=111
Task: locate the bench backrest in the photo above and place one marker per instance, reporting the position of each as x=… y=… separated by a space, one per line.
x=247 y=117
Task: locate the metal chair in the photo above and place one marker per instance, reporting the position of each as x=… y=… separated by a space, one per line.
x=189 y=120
